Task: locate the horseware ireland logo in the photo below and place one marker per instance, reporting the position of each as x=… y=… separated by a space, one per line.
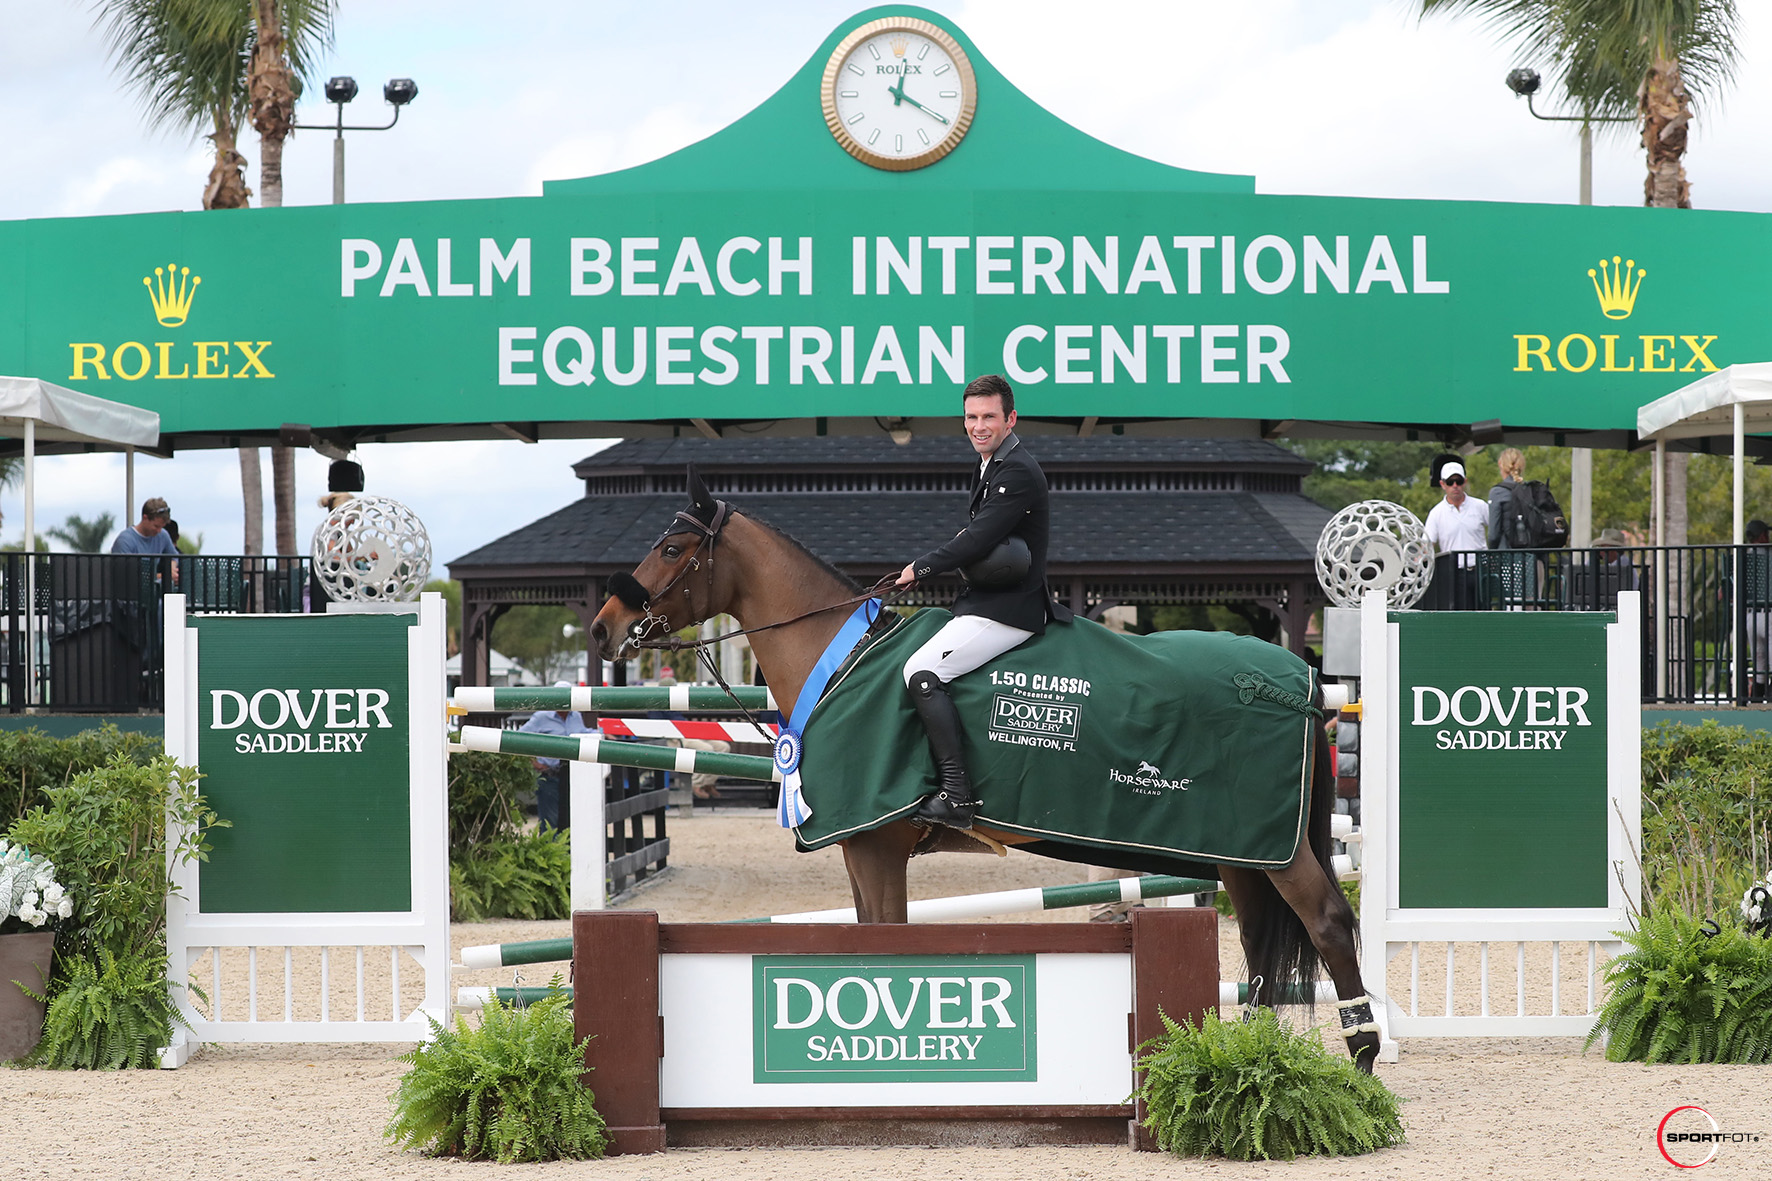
x=171 y=290
x=1617 y=287
x=1148 y=780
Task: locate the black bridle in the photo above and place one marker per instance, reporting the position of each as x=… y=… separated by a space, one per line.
x=634 y=595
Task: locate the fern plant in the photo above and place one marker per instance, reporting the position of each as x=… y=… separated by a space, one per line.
x=509 y=1090
x=1261 y=1090
x=1687 y=991
x=107 y=1014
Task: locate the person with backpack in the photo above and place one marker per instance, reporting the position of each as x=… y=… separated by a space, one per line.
x=1523 y=515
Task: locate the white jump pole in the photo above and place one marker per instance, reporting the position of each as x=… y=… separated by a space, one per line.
x=586 y=785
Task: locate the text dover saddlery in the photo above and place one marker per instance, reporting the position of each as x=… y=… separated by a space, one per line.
x=1521 y=717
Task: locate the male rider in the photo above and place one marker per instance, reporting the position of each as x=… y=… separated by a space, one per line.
x=1008 y=501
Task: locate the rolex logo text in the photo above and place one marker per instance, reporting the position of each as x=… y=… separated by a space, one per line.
x=1616 y=283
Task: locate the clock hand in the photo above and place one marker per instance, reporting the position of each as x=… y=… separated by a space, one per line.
x=907 y=98
x=897 y=92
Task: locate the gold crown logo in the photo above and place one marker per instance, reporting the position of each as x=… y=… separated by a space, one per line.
x=171 y=291
x=1617 y=287
x=899 y=46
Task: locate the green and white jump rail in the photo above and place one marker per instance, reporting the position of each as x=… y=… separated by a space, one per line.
x=1230 y=993
x=484 y=699
x=1034 y=898
x=964 y=906
x=589 y=748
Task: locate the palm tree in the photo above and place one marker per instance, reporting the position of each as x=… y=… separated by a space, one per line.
x=273 y=88
x=196 y=64
x=1641 y=60
x=83 y=536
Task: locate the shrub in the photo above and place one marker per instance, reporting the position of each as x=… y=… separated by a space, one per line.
x=483 y=790
x=1259 y=1089
x=1705 y=816
x=1687 y=991
x=525 y=876
x=107 y=1014
x=31 y=762
x=509 y=1090
x=105 y=830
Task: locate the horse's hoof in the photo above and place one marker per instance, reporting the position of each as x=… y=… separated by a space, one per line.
x=940 y=808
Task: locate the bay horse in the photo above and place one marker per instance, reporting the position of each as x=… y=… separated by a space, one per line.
x=712 y=560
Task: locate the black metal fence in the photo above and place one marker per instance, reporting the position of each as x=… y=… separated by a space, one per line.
x=84 y=632
x=1702 y=643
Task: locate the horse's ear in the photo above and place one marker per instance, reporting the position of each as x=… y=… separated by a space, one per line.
x=699 y=495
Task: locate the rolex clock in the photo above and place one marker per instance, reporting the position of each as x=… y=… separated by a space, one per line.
x=899 y=93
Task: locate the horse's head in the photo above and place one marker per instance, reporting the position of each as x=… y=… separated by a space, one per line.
x=675 y=587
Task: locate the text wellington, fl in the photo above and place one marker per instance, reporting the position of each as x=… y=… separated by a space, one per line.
x=1133 y=350
x=1487 y=717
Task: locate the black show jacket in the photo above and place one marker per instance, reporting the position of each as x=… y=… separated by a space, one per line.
x=1008 y=500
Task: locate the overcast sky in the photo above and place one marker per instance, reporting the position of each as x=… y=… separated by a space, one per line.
x=1331 y=97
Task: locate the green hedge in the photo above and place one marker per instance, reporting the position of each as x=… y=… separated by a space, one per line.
x=1707 y=815
x=32 y=762
x=496 y=869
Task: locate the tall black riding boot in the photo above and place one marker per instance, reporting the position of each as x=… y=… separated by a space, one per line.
x=952 y=803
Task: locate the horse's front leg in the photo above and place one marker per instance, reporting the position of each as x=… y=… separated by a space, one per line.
x=876 y=862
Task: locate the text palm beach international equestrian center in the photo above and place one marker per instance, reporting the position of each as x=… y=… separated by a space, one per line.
x=944 y=265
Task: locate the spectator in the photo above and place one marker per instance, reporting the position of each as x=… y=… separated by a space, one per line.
x=1518 y=574
x=553 y=799
x=703 y=785
x=1513 y=473
x=1756 y=600
x=317 y=597
x=1612 y=569
x=1455 y=526
x=147 y=536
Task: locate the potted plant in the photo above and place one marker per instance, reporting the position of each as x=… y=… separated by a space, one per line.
x=31 y=902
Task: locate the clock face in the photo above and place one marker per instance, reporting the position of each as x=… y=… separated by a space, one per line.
x=899 y=93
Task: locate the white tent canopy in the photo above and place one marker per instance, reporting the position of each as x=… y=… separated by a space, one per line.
x=36 y=411
x=64 y=415
x=1735 y=401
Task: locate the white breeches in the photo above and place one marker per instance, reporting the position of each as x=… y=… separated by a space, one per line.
x=963 y=643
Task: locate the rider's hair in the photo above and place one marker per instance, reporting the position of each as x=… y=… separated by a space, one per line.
x=989 y=386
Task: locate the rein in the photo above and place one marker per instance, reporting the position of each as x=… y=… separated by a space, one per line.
x=885 y=590
x=632 y=592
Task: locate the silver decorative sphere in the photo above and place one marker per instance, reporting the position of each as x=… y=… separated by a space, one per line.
x=1374 y=544
x=372 y=550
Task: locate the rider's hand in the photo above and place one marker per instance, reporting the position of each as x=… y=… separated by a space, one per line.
x=906 y=576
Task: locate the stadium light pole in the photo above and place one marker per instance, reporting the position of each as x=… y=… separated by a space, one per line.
x=341 y=90
x=1525 y=82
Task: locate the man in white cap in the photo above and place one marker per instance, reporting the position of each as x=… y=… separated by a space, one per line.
x=1456 y=525
x=553 y=801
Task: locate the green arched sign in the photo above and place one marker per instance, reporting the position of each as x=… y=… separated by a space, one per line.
x=768 y=274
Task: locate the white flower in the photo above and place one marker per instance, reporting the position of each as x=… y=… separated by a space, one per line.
x=36 y=918
x=32 y=898
x=54 y=892
x=65 y=909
